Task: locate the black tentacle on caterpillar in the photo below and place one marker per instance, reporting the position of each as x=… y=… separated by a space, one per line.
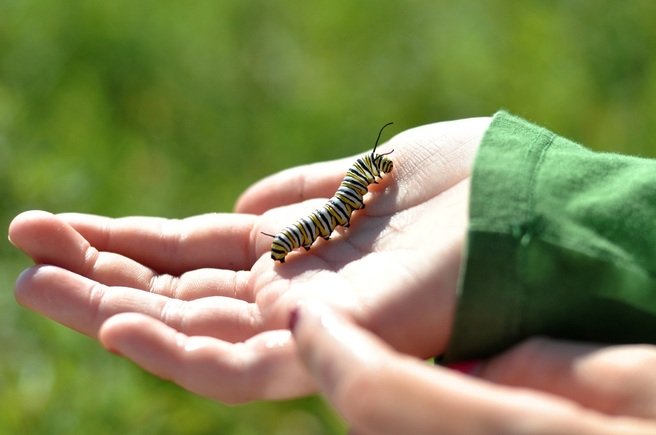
x=337 y=211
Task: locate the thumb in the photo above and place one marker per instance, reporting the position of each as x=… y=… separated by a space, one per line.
x=343 y=359
x=378 y=390
x=375 y=389
x=332 y=347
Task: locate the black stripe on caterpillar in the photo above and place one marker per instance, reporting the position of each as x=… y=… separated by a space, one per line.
x=337 y=211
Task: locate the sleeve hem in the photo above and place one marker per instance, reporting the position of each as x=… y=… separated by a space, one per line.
x=502 y=219
x=561 y=239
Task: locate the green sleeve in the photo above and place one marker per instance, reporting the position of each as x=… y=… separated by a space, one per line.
x=561 y=243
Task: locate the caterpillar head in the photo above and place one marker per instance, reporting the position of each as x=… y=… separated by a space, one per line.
x=383 y=163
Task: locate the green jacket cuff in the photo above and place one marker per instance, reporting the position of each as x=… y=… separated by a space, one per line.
x=561 y=242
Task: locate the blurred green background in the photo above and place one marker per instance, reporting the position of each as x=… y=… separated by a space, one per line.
x=173 y=108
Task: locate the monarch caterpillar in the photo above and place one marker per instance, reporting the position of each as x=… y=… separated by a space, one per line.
x=337 y=211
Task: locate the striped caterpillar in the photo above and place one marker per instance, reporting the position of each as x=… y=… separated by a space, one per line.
x=337 y=211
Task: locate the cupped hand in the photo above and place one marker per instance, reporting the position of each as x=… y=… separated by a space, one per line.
x=199 y=300
x=541 y=386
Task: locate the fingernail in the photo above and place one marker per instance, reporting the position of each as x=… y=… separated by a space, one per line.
x=471 y=368
x=293 y=319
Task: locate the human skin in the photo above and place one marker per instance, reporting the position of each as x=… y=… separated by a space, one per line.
x=217 y=303
x=542 y=386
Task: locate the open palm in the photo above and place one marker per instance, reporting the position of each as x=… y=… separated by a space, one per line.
x=200 y=301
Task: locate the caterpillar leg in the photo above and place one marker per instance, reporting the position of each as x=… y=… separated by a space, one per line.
x=276 y=258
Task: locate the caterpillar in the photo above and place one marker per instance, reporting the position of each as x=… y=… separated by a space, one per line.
x=337 y=211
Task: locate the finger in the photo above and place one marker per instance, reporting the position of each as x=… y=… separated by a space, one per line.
x=83 y=304
x=262 y=367
x=317 y=180
x=221 y=241
x=202 y=283
x=380 y=391
x=615 y=380
x=48 y=239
